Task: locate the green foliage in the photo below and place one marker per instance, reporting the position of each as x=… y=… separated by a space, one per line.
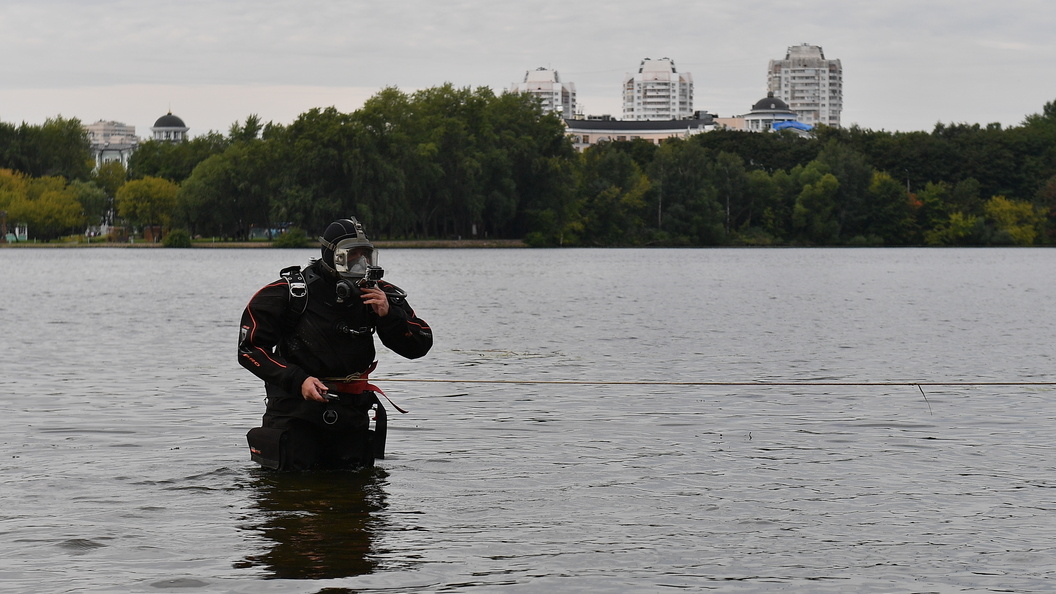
x=959 y=229
x=465 y=162
x=887 y=213
x=685 y=196
x=1016 y=220
x=95 y=204
x=47 y=205
x=173 y=161
x=110 y=177
x=813 y=216
x=177 y=238
x=294 y=237
x=612 y=193
x=59 y=148
x=148 y=201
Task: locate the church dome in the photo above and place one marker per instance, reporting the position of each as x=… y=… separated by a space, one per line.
x=770 y=103
x=169 y=121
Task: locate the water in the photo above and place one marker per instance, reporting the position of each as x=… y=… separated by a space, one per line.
x=124 y=465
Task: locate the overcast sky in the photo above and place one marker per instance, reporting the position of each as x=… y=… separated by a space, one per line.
x=908 y=64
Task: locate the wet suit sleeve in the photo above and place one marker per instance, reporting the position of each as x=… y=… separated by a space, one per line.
x=403 y=332
x=261 y=331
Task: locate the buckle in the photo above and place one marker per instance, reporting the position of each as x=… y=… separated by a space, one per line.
x=298 y=288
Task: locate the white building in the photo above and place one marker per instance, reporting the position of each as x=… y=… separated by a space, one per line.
x=111 y=141
x=811 y=85
x=657 y=92
x=556 y=96
x=766 y=112
x=169 y=128
x=588 y=132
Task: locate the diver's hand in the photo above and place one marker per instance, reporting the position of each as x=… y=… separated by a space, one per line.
x=377 y=300
x=313 y=389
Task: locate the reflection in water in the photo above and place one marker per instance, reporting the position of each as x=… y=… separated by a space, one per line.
x=319 y=525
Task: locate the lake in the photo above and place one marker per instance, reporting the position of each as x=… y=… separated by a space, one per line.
x=588 y=420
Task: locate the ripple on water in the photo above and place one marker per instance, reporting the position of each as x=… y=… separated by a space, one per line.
x=126 y=466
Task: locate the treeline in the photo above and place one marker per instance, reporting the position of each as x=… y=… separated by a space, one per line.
x=447 y=162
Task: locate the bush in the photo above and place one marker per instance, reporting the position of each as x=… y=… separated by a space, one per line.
x=292 y=238
x=177 y=238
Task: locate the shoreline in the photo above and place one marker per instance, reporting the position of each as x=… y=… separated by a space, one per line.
x=387 y=244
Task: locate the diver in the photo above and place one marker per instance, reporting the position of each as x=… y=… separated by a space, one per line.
x=310 y=336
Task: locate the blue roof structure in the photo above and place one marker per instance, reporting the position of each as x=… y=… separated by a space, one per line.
x=776 y=126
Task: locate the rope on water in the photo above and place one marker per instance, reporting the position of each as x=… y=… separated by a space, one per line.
x=706 y=383
x=759 y=383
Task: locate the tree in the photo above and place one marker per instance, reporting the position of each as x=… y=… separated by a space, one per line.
x=384 y=161
x=108 y=177
x=47 y=205
x=612 y=190
x=317 y=153
x=729 y=178
x=173 y=161
x=813 y=216
x=959 y=229
x=683 y=199
x=854 y=175
x=95 y=204
x=149 y=201
x=887 y=219
x=251 y=130
x=528 y=162
x=767 y=152
x=13 y=185
x=1015 y=222
x=200 y=199
x=933 y=209
x=764 y=209
x=1045 y=202
x=60 y=147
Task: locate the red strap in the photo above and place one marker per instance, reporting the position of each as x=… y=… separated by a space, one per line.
x=362 y=385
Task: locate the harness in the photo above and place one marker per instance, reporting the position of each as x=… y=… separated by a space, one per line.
x=298 y=281
x=272 y=445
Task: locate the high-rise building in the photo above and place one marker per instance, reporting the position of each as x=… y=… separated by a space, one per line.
x=811 y=85
x=658 y=92
x=556 y=96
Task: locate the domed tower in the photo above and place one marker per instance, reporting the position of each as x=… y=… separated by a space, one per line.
x=768 y=111
x=169 y=128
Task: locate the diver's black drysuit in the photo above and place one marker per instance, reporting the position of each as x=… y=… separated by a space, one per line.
x=333 y=342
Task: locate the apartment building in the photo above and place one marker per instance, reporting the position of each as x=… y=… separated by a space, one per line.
x=545 y=84
x=657 y=92
x=809 y=84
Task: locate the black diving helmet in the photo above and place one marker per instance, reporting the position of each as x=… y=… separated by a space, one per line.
x=351 y=256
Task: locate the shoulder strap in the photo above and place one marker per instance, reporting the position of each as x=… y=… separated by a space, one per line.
x=298 y=295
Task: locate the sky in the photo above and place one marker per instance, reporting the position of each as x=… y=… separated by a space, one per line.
x=907 y=64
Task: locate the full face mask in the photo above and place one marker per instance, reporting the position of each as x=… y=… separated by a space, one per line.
x=353 y=258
